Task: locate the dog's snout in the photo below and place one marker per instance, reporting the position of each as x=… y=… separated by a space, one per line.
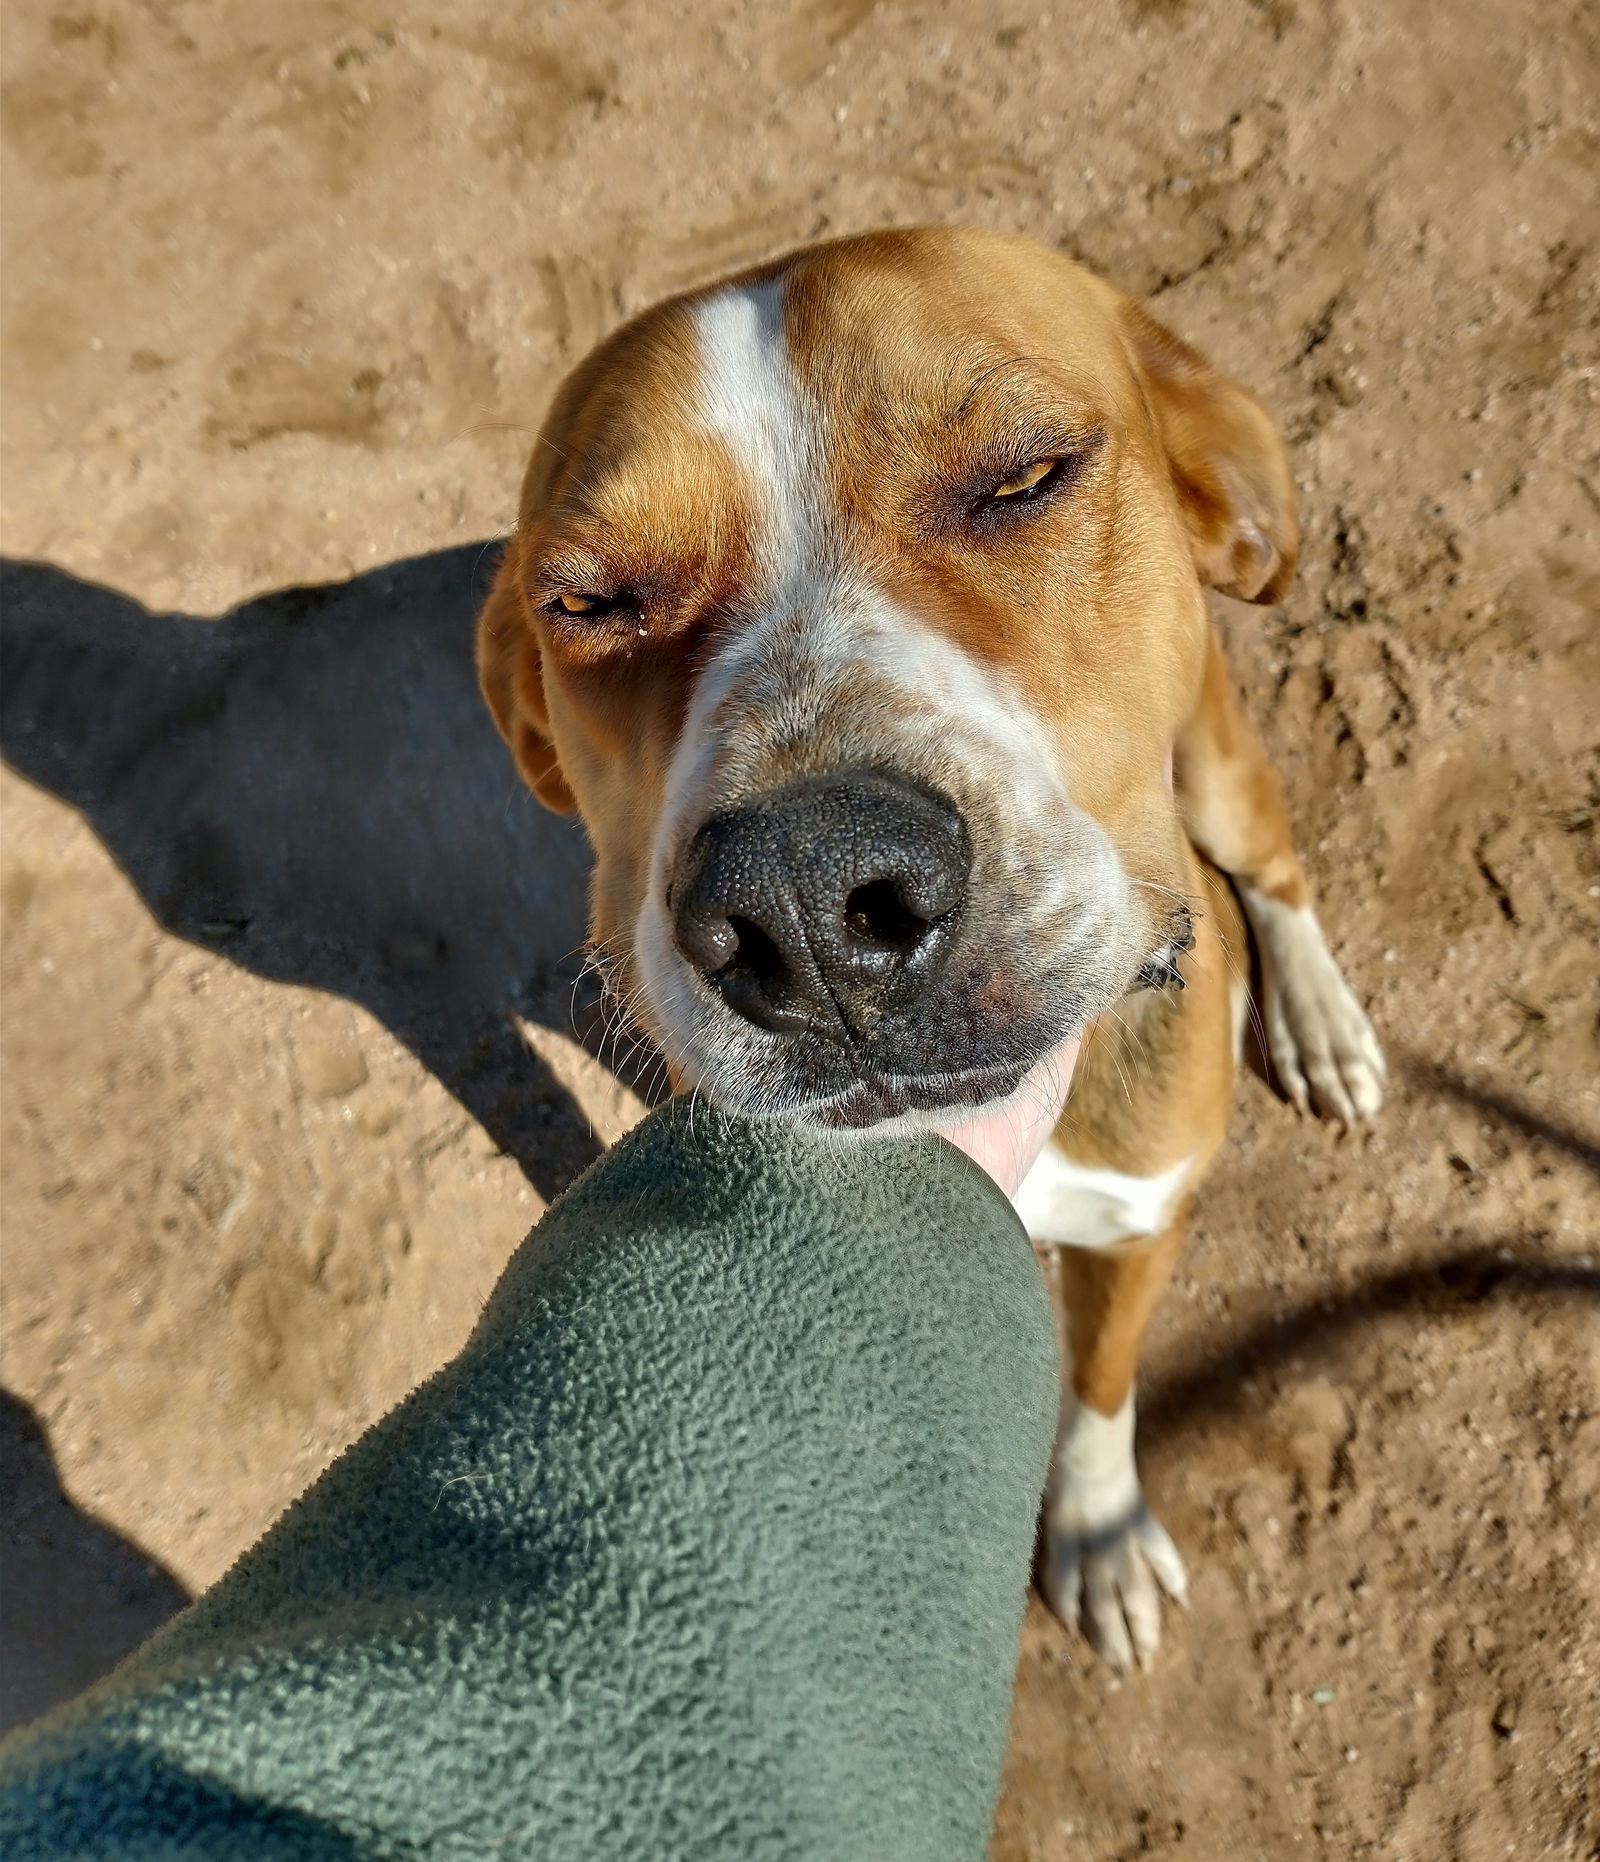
x=824 y=905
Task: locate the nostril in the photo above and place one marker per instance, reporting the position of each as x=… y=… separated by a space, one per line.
x=878 y=914
x=754 y=954
x=760 y=983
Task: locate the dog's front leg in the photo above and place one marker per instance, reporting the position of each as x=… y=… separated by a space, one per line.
x=1320 y=1041
x=1107 y=1559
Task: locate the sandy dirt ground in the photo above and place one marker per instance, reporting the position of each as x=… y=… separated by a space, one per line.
x=288 y=1066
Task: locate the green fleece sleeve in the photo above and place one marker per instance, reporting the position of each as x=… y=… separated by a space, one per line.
x=712 y=1543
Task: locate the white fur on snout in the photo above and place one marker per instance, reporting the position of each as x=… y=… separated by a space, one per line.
x=834 y=675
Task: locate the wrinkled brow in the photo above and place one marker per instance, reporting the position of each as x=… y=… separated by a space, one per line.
x=1036 y=377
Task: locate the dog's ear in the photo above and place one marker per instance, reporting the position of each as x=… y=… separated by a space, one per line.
x=512 y=682
x=1228 y=462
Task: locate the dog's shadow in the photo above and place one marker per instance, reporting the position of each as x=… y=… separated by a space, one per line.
x=311 y=786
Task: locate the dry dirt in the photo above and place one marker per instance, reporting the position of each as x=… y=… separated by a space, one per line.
x=285 y=955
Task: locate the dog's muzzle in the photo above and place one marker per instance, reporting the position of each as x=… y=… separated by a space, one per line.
x=826 y=907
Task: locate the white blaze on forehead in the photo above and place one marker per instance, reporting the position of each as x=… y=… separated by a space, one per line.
x=747 y=397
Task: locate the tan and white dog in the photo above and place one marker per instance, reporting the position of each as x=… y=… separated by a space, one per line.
x=856 y=603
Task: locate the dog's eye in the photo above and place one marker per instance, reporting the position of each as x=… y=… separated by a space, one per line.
x=1029 y=482
x=1037 y=484
x=574 y=605
x=582 y=604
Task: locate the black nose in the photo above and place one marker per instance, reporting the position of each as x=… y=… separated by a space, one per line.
x=824 y=905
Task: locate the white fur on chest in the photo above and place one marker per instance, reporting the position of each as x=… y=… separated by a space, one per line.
x=1082 y=1206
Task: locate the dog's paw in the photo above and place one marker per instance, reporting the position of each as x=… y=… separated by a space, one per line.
x=1321 y=1044
x=1110 y=1581
x=1107 y=1561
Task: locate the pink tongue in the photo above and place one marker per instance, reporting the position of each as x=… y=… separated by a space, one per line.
x=1007 y=1140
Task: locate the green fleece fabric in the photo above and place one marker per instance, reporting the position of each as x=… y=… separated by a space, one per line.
x=712 y=1543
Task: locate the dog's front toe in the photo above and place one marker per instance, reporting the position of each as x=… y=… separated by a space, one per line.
x=1323 y=1048
x=1321 y=1044
x=1110 y=1583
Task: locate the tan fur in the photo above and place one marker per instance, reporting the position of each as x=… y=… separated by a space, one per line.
x=1110 y=1295
x=1228 y=791
x=1151 y=1090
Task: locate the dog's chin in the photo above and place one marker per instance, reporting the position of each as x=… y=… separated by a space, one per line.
x=1001 y=1132
x=882 y=1106
x=999 y=1114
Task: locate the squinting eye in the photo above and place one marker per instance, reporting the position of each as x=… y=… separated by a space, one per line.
x=1028 y=481
x=573 y=605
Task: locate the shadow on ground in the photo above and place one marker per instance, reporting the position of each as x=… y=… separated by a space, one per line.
x=1448 y=1282
x=76 y=1597
x=311 y=786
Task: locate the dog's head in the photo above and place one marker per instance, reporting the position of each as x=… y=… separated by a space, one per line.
x=855 y=604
